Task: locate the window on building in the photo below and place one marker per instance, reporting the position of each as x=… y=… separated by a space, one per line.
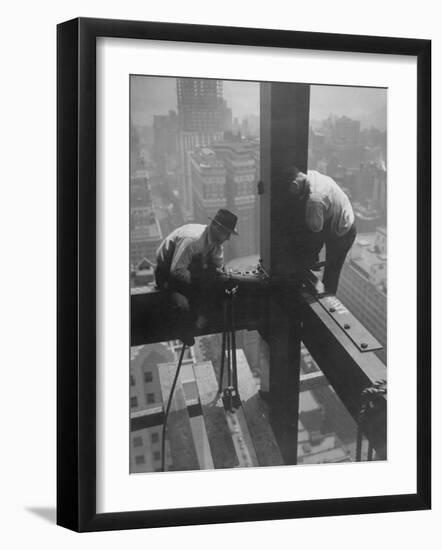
x=150 y=398
x=133 y=402
x=139 y=459
x=132 y=380
x=157 y=456
x=148 y=376
x=155 y=437
x=138 y=441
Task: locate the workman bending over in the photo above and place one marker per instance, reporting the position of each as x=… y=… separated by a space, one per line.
x=187 y=262
x=329 y=215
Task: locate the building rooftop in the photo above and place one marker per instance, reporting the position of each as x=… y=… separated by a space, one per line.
x=246 y=147
x=206 y=158
x=150 y=232
x=152 y=354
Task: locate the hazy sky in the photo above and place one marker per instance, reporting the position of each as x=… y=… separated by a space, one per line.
x=366 y=104
x=157 y=95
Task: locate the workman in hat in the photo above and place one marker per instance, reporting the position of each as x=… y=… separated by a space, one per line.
x=187 y=262
x=327 y=218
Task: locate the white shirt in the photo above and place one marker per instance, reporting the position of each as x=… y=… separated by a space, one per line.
x=183 y=244
x=327 y=205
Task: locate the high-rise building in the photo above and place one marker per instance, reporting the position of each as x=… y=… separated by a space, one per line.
x=145 y=230
x=254 y=146
x=202 y=118
x=241 y=185
x=208 y=176
x=363 y=284
x=341 y=140
x=165 y=138
x=201 y=107
x=371 y=182
x=227 y=123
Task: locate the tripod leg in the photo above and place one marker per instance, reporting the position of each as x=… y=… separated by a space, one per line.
x=229 y=371
x=234 y=366
x=233 y=339
x=166 y=414
x=229 y=360
x=223 y=359
x=359 y=445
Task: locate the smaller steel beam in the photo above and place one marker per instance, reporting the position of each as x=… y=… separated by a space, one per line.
x=356 y=331
x=348 y=369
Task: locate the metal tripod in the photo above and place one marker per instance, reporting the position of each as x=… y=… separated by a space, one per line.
x=230 y=392
x=166 y=414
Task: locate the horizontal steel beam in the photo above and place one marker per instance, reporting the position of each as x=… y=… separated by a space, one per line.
x=348 y=369
x=153 y=321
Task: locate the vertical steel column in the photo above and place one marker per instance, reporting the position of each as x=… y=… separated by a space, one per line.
x=284 y=144
x=284 y=340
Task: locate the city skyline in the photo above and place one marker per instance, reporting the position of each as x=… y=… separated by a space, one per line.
x=152 y=96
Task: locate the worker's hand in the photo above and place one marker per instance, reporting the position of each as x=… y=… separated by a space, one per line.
x=210 y=271
x=196 y=269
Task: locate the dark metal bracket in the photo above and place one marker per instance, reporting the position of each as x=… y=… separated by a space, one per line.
x=358 y=334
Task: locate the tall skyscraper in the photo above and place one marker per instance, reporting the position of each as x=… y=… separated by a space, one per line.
x=200 y=105
x=208 y=176
x=202 y=117
x=241 y=192
x=165 y=133
x=145 y=230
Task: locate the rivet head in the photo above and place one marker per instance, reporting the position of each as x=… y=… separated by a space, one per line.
x=346 y=326
x=332 y=310
x=364 y=345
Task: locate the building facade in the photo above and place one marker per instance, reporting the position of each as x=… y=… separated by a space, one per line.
x=144 y=239
x=239 y=158
x=208 y=176
x=145 y=229
x=202 y=119
x=165 y=142
x=145 y=397
x=363 y=284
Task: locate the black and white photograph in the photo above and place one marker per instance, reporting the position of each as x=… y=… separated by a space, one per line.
x=258 y=274
x=220 y=225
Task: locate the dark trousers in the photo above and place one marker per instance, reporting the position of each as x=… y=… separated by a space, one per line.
x=179 y=300
x=336 y=250
x=188 y=301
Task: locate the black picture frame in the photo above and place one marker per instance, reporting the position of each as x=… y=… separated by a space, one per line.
x=76 y=273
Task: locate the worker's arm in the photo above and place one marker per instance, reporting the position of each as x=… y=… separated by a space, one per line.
x=179 y=270
x=314 y=215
